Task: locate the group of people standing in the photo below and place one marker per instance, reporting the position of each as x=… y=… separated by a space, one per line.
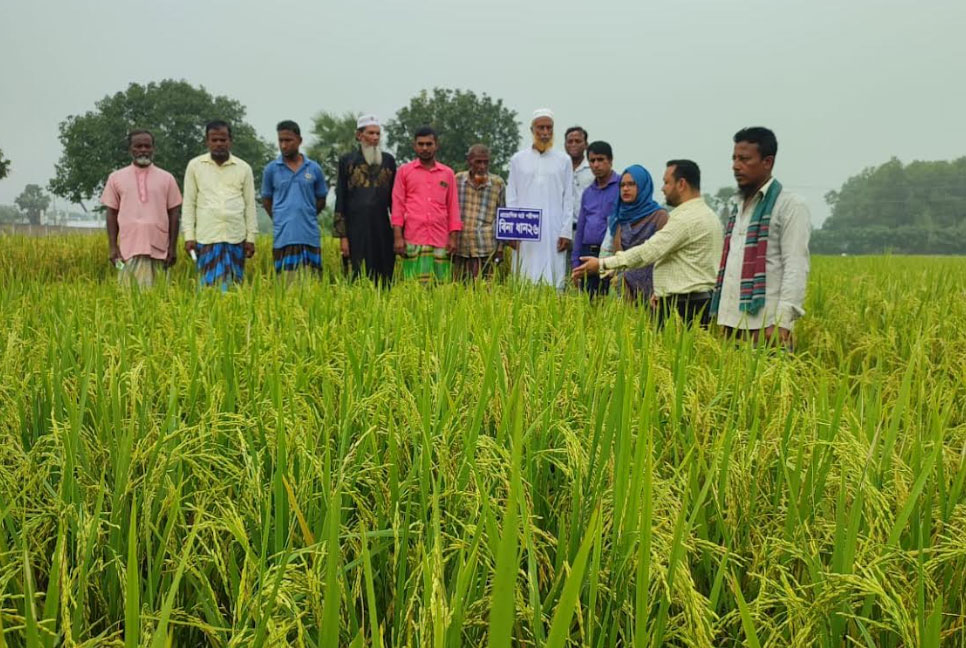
x=595 y=223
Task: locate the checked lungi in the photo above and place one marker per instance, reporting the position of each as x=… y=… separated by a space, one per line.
x=221 y=264
x=292 y=257
x=427 y=263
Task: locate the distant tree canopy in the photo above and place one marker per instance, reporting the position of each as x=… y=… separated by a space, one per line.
x=4 y=166
x=918 y=208
x=461 y=119
x=33 y=202
x=95 y=143
x=334 y=135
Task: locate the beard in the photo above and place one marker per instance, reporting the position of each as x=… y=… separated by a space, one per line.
x=143 y=161
x=541 y=146
x=372 y=155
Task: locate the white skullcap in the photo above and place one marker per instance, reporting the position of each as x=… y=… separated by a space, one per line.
x=367 y=120
x=541 y=112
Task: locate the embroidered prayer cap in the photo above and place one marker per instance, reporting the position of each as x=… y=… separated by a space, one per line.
x=541 y=112
x=367 y=120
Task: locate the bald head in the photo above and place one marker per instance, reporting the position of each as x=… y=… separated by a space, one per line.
x=477 y=150
x=478 y=163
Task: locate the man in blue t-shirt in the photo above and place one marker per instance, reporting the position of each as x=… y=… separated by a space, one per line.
x=293 y=193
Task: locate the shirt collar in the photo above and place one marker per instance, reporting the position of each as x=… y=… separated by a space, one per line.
x=584 y=164
x=280 y=160
x=418 y=164
x=469 y=181
x=208 y=158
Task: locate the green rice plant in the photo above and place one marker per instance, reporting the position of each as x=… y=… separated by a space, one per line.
x=330 y=464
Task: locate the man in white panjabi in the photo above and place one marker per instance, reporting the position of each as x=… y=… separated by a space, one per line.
x=542 y=178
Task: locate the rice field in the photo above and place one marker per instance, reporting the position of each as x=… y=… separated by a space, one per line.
x=324 y=464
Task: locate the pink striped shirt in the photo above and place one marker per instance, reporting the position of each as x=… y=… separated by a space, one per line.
x=425 y=203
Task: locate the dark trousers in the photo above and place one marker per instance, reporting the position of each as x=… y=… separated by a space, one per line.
x=690 y=307
x=592 y=284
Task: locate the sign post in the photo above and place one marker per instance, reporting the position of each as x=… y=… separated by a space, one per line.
x=519 y=224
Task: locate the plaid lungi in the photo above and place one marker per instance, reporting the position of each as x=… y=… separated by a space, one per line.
x=141 y=270
x=426 y=263
x=292 y=257
x=221 y=264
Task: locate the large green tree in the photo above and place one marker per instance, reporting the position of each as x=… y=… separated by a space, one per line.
x=461 y=118
x=333 y=136
x=95 y=143
x=33 y=202
x=4 y=166
x=916 y=208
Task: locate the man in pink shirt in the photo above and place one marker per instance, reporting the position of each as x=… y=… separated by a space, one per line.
x=143 y=208
x=425 y=213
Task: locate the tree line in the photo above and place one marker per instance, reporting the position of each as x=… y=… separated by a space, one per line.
x=916 y=208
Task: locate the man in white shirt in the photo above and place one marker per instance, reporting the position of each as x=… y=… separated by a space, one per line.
x=575 y=141
x=760 y=287
x=542 y=178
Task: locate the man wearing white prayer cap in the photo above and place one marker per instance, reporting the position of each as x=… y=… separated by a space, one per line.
x=542 y=178
x=362 y=203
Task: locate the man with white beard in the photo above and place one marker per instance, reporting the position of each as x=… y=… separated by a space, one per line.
x=143 y=208
x=542 y=178
x=363 y=201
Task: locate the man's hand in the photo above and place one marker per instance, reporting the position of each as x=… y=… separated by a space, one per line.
x=344 y=244
x=171 y=257
x=249 y=249
x=189 y=246
x=590 y=265
x=399 y=246
x=563 y=244
x=451 y=242
x=783 y=336
x=114 y=254
x=654 y=301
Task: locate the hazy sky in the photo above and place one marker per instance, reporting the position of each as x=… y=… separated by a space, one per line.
x=844 y=84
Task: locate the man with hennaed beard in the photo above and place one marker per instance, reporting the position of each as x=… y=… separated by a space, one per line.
x=542 y=178
x=363 y=201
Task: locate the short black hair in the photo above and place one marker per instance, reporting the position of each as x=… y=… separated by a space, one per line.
x=574 y=129
x=601 y=148
x=688 y=170
x=139 y=131
x=289 y=125
x=217 y=124
x=425 y=131
x=763 y=137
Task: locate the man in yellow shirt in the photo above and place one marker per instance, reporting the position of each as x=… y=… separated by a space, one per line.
x=685 y=252
x=218 y=221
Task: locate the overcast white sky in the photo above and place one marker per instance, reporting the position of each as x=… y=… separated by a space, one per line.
x=844 y=84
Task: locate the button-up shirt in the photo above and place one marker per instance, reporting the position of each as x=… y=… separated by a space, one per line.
x=596 y=205
x=219 y=201
x=583 y=178
x=685 y=252
x=425 y=203
x=142 y=198
x=478 y=205
x=786 y=263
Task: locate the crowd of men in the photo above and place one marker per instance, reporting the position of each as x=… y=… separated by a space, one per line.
x=600 y=229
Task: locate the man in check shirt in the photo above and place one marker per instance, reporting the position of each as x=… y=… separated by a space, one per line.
x=684 y=252
x=481 y=194
x=425 y=213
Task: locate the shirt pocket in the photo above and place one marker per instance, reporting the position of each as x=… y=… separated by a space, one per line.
x=438 y=193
